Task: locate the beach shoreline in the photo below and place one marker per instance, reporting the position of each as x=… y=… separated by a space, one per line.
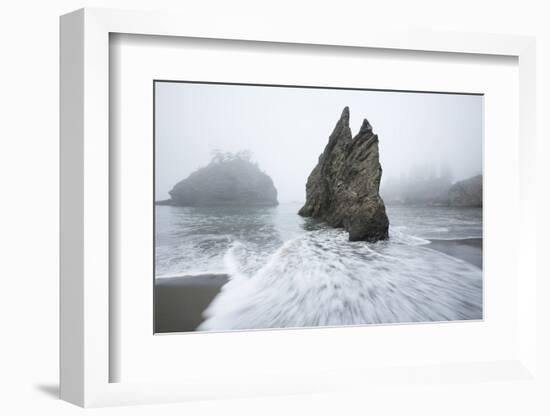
x=181 y=301
x=469 y=250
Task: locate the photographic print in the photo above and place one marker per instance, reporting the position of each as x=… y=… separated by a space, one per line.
x=297 y=207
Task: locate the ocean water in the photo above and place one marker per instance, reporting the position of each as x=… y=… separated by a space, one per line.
x=288 y=271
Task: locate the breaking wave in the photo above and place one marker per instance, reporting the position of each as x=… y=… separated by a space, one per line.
x=321 y=279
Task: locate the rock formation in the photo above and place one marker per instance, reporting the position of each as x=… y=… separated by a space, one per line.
x=467 y=193
x=229 y=180
x=342 y=189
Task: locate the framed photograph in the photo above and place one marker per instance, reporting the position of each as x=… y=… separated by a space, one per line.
x=291 y=203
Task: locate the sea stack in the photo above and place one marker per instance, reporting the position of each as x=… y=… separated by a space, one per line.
x=343 y=189
x=228 y=180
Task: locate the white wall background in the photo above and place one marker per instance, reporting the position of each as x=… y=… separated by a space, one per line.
x=29 y=208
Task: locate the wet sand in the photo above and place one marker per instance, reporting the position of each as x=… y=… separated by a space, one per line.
x=180 y=301
x=469 y=249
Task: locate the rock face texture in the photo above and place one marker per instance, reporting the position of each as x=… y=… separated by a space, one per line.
x=228 y=181
x=342 y=189
x=467 y=193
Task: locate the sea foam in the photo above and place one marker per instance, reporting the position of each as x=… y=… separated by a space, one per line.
x=320 y=278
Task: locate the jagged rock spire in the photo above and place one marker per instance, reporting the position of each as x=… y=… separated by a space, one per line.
x=366 y=128
x=342 y=189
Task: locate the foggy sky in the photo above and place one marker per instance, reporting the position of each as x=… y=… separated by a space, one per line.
x=286 y=129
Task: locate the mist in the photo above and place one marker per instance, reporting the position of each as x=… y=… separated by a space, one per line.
x=422 y=136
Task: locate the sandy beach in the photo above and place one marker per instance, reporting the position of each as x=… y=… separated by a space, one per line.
x=468 y=249
x=180 y=301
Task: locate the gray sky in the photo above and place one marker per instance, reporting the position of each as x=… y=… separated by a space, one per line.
x=287 y=128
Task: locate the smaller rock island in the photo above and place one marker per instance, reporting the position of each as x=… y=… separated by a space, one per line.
x=343 y=189
x=230 y=179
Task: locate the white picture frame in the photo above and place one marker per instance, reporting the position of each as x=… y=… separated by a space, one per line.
x=85 y=219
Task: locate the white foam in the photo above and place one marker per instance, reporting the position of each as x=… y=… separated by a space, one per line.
x=320 y=278
x=399 y=237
